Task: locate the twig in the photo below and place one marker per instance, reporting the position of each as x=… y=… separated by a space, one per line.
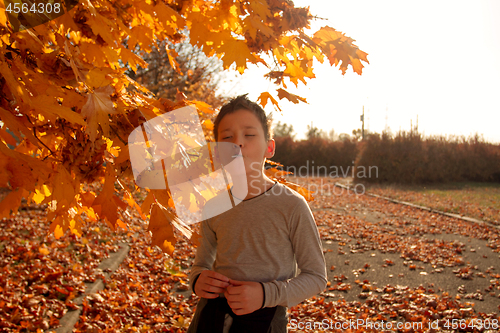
x=34 y=133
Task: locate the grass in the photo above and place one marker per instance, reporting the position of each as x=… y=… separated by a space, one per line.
x=478 y=200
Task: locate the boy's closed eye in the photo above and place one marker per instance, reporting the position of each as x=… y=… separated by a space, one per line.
x=229 y=137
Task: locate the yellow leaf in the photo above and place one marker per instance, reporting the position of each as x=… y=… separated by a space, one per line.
x=98 y=77
x=340 y=49
x=301 y=190
x=162 y=197
x=276 y=173
x=264 y=97
x=161 y=229
x=97 y=110
x=5 y=174
x=148 y=201
x=17 y=125
x=131 y=202
x=40 y=194
x=208 y=124
x=49 y=104
x=203 y=107
x=3 y=18
x=121 y=224
x=16 y=88
x=37 y=196
x=170 y=16
x=11 y=202
x=105 y=204
x=261 y=8
x=195 y=239
x=7 y=137
x=75 y=225
x=100 y=25
x=132 y=59
x=58 y=232
x=63 y=189
x=291 y=97
x=236 y=51
x=43 y=250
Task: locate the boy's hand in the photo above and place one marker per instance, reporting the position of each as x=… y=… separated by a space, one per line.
x=210 y=284
x=244 y=296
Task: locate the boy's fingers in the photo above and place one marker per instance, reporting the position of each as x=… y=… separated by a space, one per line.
x=215 y=289
x=236 y=282
x=218 y=283
x=217 y=276
x=208 y=295
x=233 y=290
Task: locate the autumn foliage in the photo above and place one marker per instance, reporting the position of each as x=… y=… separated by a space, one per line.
x=67 y=105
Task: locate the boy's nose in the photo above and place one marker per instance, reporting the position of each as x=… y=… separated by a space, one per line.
x=238 y=142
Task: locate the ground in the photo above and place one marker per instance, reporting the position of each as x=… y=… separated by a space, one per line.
x=386 y=262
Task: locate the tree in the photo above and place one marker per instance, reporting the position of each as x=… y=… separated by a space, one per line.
x=314 y=132
x=65 y=93
x=195 y=75
x=331 y=136
x=357 y=134
x=283 y=130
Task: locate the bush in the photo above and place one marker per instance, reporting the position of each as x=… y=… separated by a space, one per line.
x=316 y=156
x=408 y=158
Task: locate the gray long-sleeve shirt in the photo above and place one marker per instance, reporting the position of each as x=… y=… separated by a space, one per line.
x=264 y=239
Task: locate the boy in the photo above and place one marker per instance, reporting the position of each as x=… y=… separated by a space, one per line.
x=245 y=267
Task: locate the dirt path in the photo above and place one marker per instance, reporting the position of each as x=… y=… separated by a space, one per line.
x=375 y=248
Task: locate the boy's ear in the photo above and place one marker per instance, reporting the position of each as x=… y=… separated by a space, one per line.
x=271 y=147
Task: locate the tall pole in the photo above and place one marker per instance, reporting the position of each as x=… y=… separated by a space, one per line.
x=363 y=124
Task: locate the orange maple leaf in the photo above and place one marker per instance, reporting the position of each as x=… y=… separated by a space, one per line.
x=97 y=110
x=161 y=229
x=340 y=48
x=291 y=97
x=236 y=51
x=266 y=96
x=106 y=204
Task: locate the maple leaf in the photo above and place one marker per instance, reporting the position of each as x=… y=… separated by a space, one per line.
x=48 y=104
x=161 y=229
x=340 y=48
x=276 y=173
x=195 y=239
x=264 y=97
x=11 y=202
x=236 y=51
x=291 y=97
x=3 y=18
x=63 y=189
x=66 y=93
x=97 y=109
x=106 y=204
x=301 y=190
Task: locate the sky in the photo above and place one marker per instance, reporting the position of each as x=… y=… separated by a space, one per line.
x=435 y=61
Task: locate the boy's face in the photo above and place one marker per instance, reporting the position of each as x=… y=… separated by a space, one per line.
x=244 y=129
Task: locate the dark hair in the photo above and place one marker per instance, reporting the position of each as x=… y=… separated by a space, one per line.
x=242 y=102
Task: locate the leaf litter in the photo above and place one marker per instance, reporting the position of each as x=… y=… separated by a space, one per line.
x=148 y=292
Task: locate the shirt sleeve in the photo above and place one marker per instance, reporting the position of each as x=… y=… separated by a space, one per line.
x=308 y=252
x=205 y=253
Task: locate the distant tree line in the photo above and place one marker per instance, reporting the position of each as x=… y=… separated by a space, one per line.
x=404 y=157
